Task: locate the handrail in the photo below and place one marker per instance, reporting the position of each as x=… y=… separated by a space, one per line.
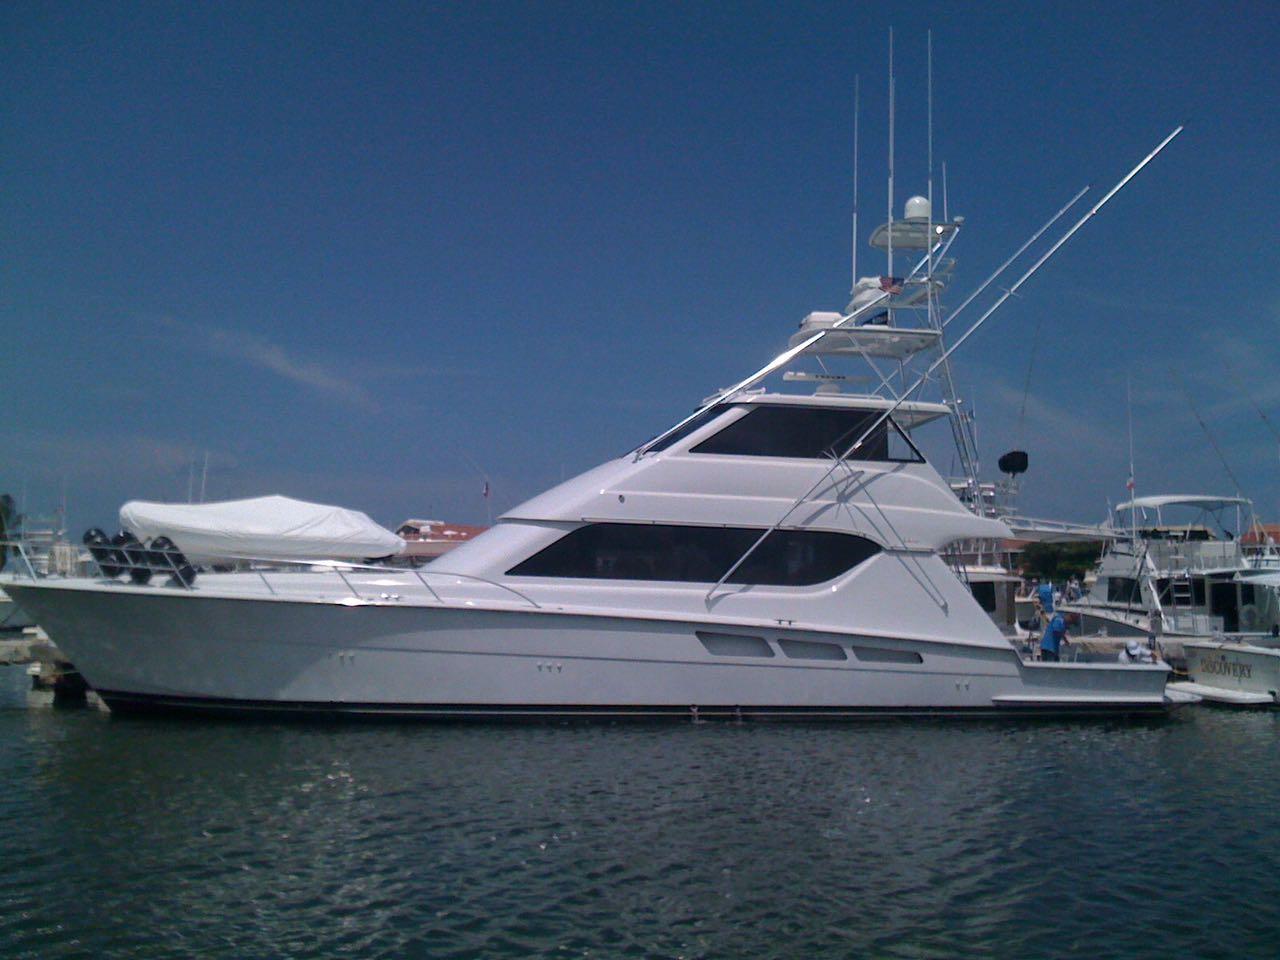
x=418 y=572
x=339 y=568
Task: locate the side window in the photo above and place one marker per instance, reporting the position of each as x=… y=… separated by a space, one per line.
x=985 y=594
x=688 y=554
x=1122 y=590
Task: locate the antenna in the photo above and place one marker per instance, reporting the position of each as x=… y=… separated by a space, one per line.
x=1128 y=398
x=929 y=87
x=1132 y=484
x=891 y=101
x=854 y=282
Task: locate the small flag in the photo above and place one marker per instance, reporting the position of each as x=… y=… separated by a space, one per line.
x=891 y=284
x=485 y=492
x=1129 y=484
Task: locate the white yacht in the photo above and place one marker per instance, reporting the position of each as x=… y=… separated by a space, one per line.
x=777 y=553
x=1244 y=669
x=1175 y=567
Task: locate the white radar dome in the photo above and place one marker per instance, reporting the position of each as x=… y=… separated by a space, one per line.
x=917 y=208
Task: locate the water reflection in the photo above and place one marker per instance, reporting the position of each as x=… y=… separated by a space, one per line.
x=148 y=838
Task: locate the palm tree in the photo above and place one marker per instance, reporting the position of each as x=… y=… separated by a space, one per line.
x=10 y=520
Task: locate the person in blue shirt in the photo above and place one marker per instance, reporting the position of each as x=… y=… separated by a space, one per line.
x=1044 y=593
x=1055 y=634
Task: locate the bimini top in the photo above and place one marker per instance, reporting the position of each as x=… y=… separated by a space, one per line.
x=1172 y=500
x=275 y=528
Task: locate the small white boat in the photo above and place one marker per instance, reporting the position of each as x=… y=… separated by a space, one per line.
x=1241 y=674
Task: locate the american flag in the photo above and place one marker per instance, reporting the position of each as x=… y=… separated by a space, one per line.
x=1129 y=484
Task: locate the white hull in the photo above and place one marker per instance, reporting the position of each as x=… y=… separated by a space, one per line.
x=172 y=650
x=1235 y=667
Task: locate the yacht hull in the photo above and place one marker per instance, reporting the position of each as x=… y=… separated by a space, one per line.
x=172 y=651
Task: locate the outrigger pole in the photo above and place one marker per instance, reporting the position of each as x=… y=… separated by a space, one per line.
x=788 y=355
x=1008 y=293
x=1019 y=252
x=937 y=363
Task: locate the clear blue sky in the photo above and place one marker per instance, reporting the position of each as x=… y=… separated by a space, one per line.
x=360 y=253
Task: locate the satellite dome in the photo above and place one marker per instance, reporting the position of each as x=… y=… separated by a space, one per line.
x=917 y=208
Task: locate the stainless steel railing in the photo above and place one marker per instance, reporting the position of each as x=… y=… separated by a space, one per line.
x=268 y=570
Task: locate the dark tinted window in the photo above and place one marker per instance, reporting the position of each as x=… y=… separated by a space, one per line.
x=1122 y=590
x=985 y=594
x=811 y=433
x=630 y=551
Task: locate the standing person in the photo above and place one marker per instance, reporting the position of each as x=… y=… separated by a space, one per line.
x=1055 y=634
x=1044 y=597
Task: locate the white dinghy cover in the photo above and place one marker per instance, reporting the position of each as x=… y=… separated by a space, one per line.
x=275 y=528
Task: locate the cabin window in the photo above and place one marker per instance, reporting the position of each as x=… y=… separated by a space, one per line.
x=1122 y=590
x=1197 y=586
x=689 y=554
x=811 y=433
x=985 y=594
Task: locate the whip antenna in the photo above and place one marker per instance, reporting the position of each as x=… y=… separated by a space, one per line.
x=853 y=283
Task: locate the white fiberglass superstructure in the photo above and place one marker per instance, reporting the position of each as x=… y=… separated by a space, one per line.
x=777 y=553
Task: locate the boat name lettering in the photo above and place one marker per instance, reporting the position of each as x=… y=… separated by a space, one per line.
x=1223 y=667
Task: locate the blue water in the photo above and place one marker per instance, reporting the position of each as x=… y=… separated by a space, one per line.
x=146 y=838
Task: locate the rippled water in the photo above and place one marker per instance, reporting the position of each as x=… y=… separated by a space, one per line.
x=144 y=838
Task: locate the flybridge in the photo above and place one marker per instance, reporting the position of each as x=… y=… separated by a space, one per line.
x=873 y=329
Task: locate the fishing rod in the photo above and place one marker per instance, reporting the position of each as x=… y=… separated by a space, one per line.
x=1213 y=442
